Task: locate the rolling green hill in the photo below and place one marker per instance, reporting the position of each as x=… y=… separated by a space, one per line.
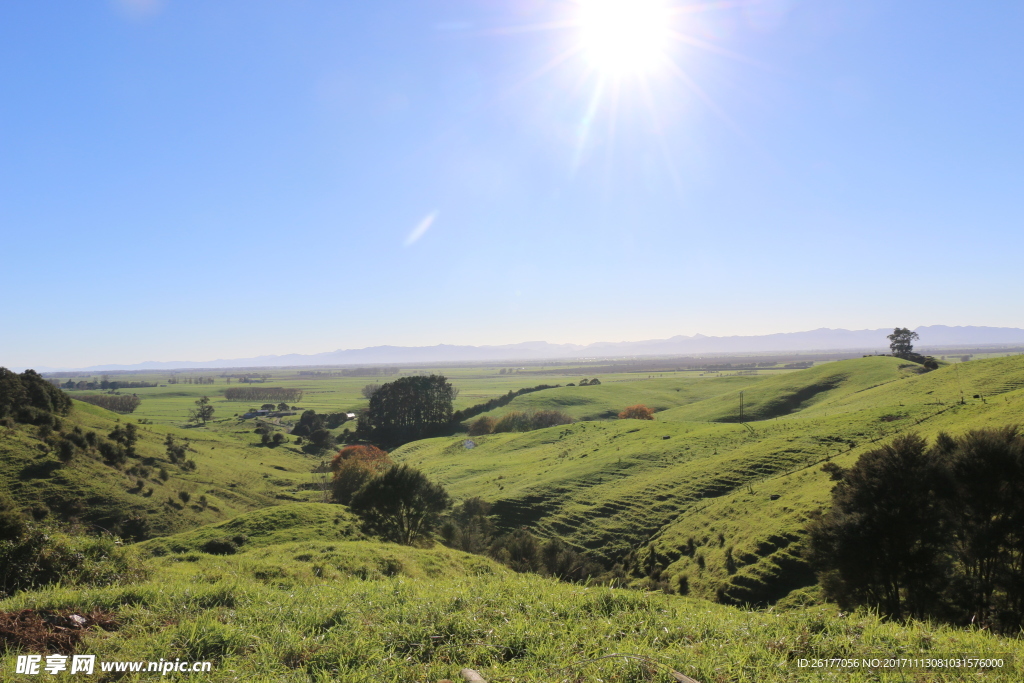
x=231 y=473
x=742 y=491
x=256 y=575
x=607 y=400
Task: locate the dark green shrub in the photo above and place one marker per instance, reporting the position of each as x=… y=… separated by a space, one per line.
x=219 y=546
x=42 y=556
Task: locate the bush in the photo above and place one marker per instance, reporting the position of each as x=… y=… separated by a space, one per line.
x=515 y=421
x=637 y=412
x=401 y=504
x=12 y=522
x=219 y=546
x=550 y=418
x=43 y=556
x=482 y=425
x=524 y=422
x=353 y=466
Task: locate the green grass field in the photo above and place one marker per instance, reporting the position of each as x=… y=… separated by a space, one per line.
x=615 y=487
x=712 y=496
x=295 y=606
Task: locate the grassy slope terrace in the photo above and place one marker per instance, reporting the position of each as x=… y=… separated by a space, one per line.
x=316 y=609
x=616 y=486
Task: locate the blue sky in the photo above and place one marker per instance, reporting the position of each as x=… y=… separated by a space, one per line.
x=188 y=180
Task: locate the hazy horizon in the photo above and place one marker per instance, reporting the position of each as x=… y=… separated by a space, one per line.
x=818 y=339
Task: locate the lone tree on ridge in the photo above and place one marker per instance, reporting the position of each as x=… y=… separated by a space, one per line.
x=901 y=342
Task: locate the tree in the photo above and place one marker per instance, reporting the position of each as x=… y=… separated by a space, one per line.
x=321 y=439
x=901 y=342
x=984 y=501
x=202 y=412
x=880 y=543
x=637 y=412
x=470 y=527
x=308 y=423
x=407 y=409
x=401 y=505
x=369 y=390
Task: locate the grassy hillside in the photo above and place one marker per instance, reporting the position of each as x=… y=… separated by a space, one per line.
x=232 y=472
x=704 y=492
x=271 y=585
x=365 y=612
x=607 y=399
x=797 y=391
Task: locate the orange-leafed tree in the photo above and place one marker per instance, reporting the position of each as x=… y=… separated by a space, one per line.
x=637 y=412
x=353 y=466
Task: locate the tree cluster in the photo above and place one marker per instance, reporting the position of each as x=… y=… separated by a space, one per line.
x=408 y=409
x=310 y=422
x=589 y=382
x=276 y=394
x=930 y=531
x=118 y=403
x=470 y=528
x=24 y=396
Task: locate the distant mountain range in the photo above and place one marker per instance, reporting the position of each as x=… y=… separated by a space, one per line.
x=823 y=339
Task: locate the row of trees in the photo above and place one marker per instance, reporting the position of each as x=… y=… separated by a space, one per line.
x=276 y=394
x=119 y=403
x=104 y=385
x=929 y=531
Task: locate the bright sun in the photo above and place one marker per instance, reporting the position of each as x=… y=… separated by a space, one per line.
x=624 y=36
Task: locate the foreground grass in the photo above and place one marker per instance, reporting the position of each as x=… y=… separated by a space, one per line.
x=424 y=624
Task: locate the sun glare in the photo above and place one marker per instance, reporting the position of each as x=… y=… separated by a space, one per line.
x=624 y=36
